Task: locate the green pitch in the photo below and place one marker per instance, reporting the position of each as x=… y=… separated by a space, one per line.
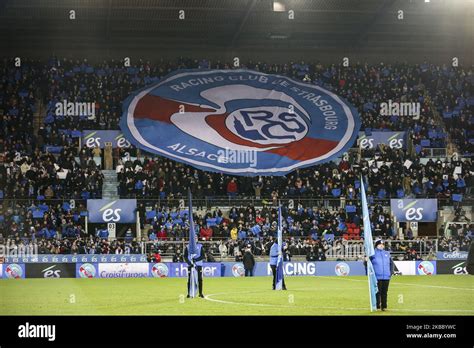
x=408 y=295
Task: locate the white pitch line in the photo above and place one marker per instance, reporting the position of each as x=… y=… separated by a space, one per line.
x=208 y=298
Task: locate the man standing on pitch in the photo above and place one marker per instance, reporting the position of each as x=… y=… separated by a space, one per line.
x=383 y=268
x=195 y=261
x=274 y=250
x=276 y=256
x=193 y=254
x=248 y=261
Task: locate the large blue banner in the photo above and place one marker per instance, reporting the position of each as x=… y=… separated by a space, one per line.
x=107 y=210
x=395 y=140
x=77 y=258
x=239 y=122
x=419 y=210
x=98 y=138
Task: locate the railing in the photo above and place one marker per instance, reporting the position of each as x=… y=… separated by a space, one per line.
x=340 y=249
x=224 y=201
x=435 y=152
x=30 y=245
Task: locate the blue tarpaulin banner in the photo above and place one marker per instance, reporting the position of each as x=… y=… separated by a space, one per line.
x=239 y=122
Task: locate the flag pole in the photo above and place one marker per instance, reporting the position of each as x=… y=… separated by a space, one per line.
x=368 y=246
x=192 y=248
x=369 y=287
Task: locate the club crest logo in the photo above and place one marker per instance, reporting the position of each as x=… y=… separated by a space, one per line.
x=238 y=270
x=239 y=122
x=425 y=268
x=87 y=270
x=159 y=270
x=13 y=271
x=342 y=269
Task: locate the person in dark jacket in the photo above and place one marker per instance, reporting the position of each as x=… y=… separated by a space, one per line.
x=178 y=257
x=195 y=260
x=383 y=268
x=311 y=255
x=470 y=259
x=249 y=262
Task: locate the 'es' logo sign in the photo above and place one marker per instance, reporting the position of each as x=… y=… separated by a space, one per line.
x=415 y=210
x=109 y=214
x=393 y=139
x=99 y=138
x=411 y=213
x=112 y=211
x=368 y=143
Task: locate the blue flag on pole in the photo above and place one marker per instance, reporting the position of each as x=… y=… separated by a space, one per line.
x=279 y=267
x=369 y=249
x=192 y=250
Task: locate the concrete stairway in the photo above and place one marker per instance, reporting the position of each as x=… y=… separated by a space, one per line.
x=109 y=187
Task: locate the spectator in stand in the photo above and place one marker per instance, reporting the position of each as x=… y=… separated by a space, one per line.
x=232 y=188
x=205 y=232
x=238 y=256
x=178 y=256
x=157 y=256
x=311 y=255
x=162 y=234
x=223 y=249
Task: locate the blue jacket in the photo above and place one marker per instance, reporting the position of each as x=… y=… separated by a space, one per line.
x=197 y=258
x=383 y=264
x=274 y=254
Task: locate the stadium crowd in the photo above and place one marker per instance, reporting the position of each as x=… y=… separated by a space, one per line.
x=48 y=164
x=389 y=176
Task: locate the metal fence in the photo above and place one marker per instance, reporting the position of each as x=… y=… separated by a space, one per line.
x=224 y=201
x=340 y=249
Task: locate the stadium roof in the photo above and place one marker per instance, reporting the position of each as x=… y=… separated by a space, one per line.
x=437 y=26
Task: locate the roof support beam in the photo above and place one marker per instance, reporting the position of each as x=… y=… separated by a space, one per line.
x=250 y=7
x=366 y=27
